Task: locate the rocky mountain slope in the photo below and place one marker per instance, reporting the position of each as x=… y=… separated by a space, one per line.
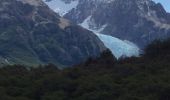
x=138 y=21
x=32 y=34
x=118 y=47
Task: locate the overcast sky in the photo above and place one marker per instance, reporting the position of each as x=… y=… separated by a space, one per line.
x=165 y=3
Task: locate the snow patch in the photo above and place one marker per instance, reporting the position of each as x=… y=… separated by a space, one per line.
x=61 y=7
x=86 y=23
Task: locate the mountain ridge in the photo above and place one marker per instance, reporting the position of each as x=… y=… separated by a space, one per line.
x=139 y=21
x=33 y=34
x=115 y=45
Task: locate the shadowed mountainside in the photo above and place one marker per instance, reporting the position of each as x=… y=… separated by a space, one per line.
x=32 y=34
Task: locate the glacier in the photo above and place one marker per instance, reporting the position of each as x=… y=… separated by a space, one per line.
x=119 y=48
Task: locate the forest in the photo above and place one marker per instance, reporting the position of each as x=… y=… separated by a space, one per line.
x=104 y=78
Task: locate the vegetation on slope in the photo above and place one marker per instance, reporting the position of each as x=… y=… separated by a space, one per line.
x=103 y=78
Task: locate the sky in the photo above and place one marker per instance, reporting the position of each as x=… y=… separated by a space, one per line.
x=165 y=3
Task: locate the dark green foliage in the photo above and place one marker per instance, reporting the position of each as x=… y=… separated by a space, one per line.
x=158 y=48
x=103 y=78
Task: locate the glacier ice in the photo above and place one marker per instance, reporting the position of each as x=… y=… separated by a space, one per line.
x=118 y=47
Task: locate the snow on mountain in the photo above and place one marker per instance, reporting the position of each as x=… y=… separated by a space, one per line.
x=138 y=21
x=118 y=47
x=60 y=6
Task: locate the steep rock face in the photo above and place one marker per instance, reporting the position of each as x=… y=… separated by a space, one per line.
x=118 y=47
x=32 y=34
x=139 y=21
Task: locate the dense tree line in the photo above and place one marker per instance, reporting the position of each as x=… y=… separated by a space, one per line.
x=104 y=78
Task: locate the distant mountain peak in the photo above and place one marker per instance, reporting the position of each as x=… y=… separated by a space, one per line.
x=139 y=21
x=62 y=7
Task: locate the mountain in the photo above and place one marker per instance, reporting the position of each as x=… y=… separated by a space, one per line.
x=33 y=34
x=138 y=21
x=118 y=47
